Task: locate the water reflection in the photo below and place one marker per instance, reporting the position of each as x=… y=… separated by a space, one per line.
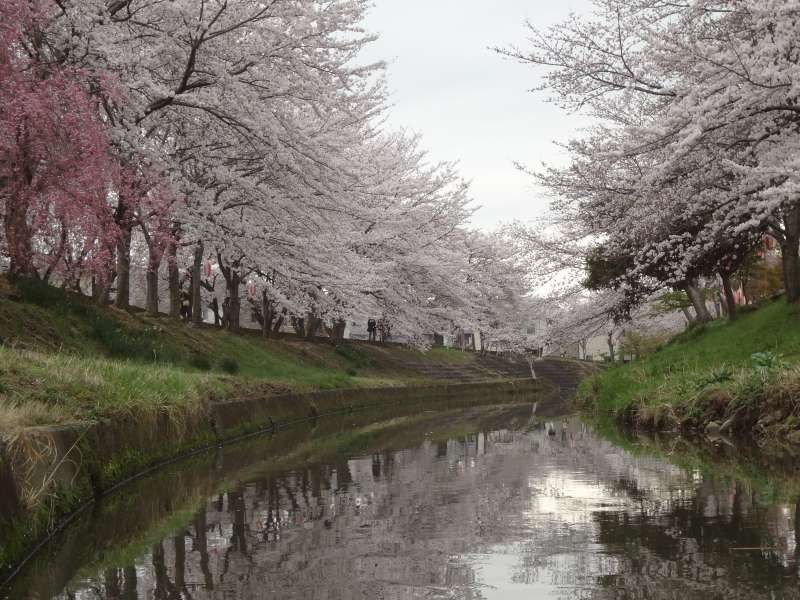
x=551 y=511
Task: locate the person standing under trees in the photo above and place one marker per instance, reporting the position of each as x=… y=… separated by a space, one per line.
x=372 y=327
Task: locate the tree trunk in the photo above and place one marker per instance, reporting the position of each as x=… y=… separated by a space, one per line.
x=18 y=238
x=337 y=329
x=57 y=256
x=719 y=305
x=698 y=303
x=279 y=322
x=790 y=249
x=791 y=270
x=233 y=314
x=174 y=279
x=151 y=279
x=122 y=217
x=610 y=342
x=231 y=306
x=197 y=273
x=312 y=326
x=214 y=306
x=123 y=297
x=101 y=291
x=730 y=300
x=267 y=314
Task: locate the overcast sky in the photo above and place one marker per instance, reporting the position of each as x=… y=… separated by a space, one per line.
x=470 y=104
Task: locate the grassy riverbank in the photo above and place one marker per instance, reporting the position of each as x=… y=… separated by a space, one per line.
x=91 y=396
x=64 y=359
x=741 y=377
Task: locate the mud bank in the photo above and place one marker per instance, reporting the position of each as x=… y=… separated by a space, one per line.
x=48 y=475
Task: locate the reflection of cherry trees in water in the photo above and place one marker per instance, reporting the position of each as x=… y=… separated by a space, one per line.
x=677 y=536
x=486 y=516
x=720 y=544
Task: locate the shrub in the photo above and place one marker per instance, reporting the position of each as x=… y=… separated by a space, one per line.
x=200 y=362
x=123 y=342
x=229 y=365
x=638 y=345
x=750 y=390
x=357 y=356
x=720 y=375
x=352 y=372
x=41 y=293
x=768 y=361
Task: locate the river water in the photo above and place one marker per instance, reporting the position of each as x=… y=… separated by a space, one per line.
x=480 y=504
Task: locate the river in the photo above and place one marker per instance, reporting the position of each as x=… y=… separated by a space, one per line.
x=498 y=503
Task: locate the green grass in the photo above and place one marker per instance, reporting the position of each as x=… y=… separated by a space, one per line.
x=38 y=389
x=450 y=356
x=714 y=359
x=276 y=361
x=63 y=358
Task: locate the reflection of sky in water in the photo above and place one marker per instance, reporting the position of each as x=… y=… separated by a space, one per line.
x=558 y=530
x=500 y=515
x=556 y=541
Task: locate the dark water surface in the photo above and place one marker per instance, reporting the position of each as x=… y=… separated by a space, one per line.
x=474 y=504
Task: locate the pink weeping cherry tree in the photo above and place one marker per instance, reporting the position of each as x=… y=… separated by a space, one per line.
x=56 y=165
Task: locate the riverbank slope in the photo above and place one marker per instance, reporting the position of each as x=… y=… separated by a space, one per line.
x=740 y=378
x=63 y=359
x=91 y=396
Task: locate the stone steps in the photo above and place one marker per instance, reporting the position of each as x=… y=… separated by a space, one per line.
x=565 y=375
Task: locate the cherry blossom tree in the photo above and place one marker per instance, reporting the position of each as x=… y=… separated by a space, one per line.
x=690 y=163
x=245 y=138
x=56 y=165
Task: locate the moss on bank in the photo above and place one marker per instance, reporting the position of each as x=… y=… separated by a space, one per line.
x=741 y=377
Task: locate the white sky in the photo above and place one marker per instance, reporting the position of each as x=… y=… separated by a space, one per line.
x=470 y=104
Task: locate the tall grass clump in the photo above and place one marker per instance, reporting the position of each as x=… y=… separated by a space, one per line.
x=41 y=388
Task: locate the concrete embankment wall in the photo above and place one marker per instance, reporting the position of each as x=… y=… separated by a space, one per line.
x=49 y=473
